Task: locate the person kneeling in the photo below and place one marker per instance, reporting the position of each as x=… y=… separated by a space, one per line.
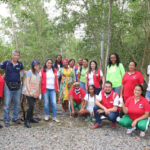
x=106 y=105
x=76 y=97
x=136 y=109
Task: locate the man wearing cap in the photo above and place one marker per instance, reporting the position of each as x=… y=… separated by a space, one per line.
x=76 y=97
x=12 y=89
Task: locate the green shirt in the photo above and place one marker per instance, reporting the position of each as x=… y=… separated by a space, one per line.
x=83 y=74
x=115 y=74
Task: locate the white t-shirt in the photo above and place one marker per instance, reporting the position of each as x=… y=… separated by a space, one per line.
x=90 y=102
x=50 y=79
x=91 y=81
x=116 y=100
x=148 y=72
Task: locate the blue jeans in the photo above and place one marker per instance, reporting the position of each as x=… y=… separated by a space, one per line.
x=50 y=96
x=8 y=96
x=82 y=85
x=147 y=95
x=97 y=91
x=112 y=115
x=117 y=89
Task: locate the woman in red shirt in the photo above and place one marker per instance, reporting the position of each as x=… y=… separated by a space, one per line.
x=130 y=79
x=136 y=109
x=94 y=77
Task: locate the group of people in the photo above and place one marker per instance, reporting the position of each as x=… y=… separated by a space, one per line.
x=81 y=90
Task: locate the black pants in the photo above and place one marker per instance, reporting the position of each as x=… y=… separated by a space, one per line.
x=31 y=101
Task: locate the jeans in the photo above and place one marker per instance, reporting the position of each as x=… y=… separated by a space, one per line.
x=112 y=115
x=82 y=85
x=117 y=89
x=50 y=96
x=31 y=101
x=8 y=96
x=147 y=95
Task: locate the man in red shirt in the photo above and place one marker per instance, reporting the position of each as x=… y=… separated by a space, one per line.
x=107 y=105
x=76 y=97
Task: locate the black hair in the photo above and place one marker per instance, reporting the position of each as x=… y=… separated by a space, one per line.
x=96 y=68
x=94 y=91
x=56 y=63
x=134 y=63
x=33 y=69
x=86 y=59
x=72 y=60
x=108 y=82
x=117 y=59
x=44 y=67
x=140 y=86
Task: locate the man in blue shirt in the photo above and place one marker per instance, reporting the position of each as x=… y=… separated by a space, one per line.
x=12 y=89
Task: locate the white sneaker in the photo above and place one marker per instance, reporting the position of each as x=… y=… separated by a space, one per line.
x=46 y=118
x=118 y=119
x=129 y=131
x=142 y=133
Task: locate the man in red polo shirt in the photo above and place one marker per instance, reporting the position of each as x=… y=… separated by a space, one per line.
x=76 y=97
x=107 y=105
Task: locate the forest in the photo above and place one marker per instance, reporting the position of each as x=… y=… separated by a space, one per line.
x=104 y=26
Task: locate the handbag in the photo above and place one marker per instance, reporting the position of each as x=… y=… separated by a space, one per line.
x=13 y=86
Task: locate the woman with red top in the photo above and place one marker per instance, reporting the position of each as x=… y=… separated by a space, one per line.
x=130 y=79
x=94 y=77
x=136 y=109
x=49 y=87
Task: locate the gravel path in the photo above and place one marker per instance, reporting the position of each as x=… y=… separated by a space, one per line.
x=70 y=134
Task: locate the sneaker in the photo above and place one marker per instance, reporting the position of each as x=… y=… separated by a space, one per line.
x=7 y=125
x=46 y=118
x=55 y=119
x=142 y=134
x=88 y=118
x=93 y=119
x=118 y=119
x=114 y=125
x=129 y=131
x=17 y=121
x=34 y=120
x=97 y=125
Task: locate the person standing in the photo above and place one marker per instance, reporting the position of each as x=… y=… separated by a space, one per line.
x=67 y=76
x=82 y=71
x=130 y=80
x=94 y=77
x=148 y=88
x=12 y=89
x=115 y=72
x=32 y=91
x=49 y=87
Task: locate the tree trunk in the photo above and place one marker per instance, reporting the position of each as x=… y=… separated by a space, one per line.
x=109 y=34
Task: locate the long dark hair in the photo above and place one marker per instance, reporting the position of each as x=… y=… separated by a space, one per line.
x=44 y=67
x=117 y=59
x=33 y=69
x=96 y=68
x=56 y=63
x=94 y=91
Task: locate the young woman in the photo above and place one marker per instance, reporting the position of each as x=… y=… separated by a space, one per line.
x=130 y=79
x=49 y=87
x=94 y=76
x=87 y=107
x=115 y=72
x=136 y=111
x=82 y=71
x=67 y=80
x=58 y=65
x=31 y=89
